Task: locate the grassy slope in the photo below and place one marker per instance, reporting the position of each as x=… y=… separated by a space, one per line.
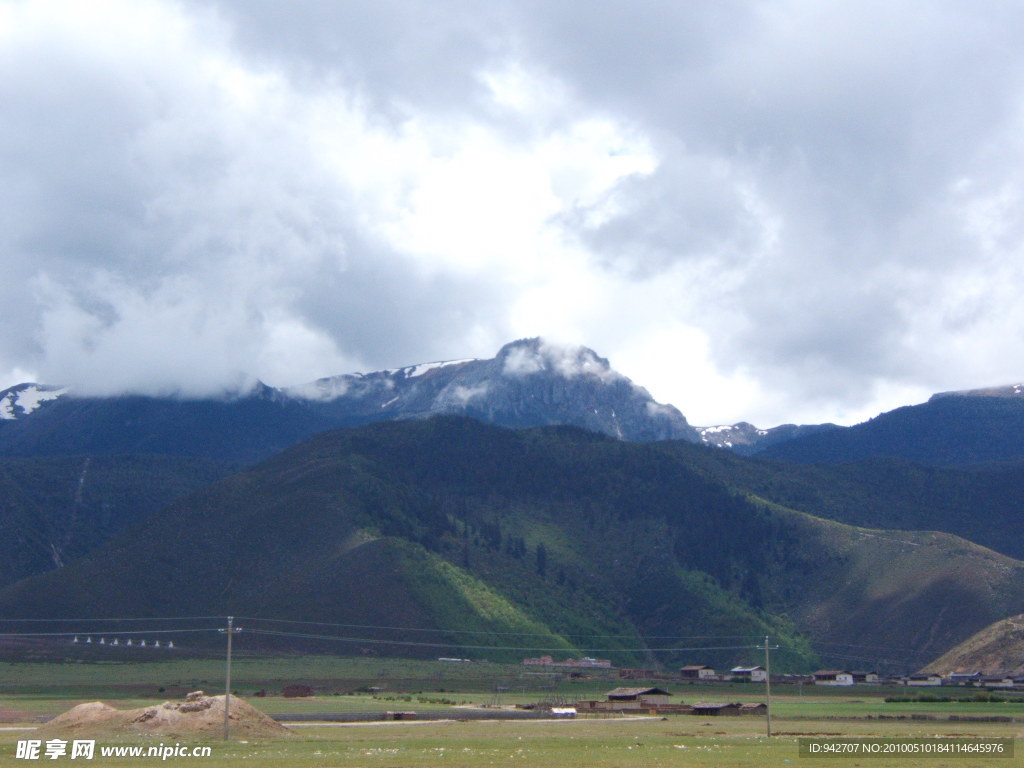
x=891 y=592
x=998 y=649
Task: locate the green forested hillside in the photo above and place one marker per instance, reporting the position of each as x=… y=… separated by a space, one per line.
x=983 y=504
x=55 y=509
x=485 y=538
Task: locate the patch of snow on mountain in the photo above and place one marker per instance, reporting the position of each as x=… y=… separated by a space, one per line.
x=27 y=400
x=33 y=397
x=714 y=430
x=418 y=370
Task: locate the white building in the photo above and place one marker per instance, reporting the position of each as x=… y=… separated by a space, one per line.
x=751 y=674
x=833 y=677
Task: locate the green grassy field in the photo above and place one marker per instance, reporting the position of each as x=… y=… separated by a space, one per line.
x=678 y=742
x=30 y=691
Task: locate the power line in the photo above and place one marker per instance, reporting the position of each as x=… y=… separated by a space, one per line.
x=110 y=632
x=137 y=618
x=866 y=647
x=418 y=644
x=490 y=632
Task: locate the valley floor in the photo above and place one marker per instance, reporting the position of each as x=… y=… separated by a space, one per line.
x=30 y=692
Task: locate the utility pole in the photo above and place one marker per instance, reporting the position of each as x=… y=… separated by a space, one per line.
x=768 y=683
x=231 y=630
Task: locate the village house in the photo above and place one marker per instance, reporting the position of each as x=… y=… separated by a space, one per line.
x=870 y=678
x=923 y=680
x=833 y=677
x=998 y=682
x=965 y=678
x=749 y=674
x=697 y=672
x=638 y=698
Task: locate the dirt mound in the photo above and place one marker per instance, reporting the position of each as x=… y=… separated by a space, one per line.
x=197 y=715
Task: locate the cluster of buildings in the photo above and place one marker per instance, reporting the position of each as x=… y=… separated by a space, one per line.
x=974 y=679
x=758 y=674
x=701 y=672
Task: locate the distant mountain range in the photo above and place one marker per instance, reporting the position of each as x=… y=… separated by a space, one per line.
x=528 y=383
x=903 y=532
x=951 y=429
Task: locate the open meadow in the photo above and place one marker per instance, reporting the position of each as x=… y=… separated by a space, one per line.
x=31 y=692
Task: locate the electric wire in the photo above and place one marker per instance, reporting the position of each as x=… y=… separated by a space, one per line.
x=420 y=644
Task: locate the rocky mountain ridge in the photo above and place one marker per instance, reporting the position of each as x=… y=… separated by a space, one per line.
x=528 y=383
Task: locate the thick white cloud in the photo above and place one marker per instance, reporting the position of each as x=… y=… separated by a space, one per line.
x=782 y=211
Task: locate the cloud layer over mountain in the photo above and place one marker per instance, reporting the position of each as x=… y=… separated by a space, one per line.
x=782 y=211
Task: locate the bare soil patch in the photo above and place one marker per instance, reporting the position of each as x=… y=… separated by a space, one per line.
x=15 y=716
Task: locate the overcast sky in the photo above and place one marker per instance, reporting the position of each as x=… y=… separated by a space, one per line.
x=773 y=211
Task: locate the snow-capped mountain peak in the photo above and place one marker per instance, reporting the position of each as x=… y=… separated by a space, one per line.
x=529 y=383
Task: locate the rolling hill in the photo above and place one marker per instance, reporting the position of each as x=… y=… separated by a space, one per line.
x=545 y=538
x=997 y=649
